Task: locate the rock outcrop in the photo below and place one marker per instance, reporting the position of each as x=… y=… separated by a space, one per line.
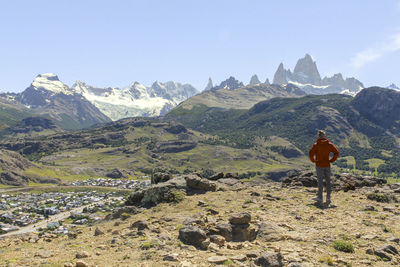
x=344 y=181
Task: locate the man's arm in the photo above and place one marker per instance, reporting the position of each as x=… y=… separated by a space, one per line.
x=335 y=152
x=312 y=153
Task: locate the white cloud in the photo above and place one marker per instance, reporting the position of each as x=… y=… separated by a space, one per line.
x=370 y=54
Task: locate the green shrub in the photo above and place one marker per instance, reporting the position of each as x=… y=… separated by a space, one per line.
x=343 y=246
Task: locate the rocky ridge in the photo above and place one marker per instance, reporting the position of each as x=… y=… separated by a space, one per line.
x=306 y=76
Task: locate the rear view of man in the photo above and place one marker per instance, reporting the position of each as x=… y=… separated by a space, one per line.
x=320 y=155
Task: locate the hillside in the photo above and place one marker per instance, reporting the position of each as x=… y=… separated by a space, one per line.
x=11 y=114
x=243 y=97
x=134 y=147
x=363 y=129
x=252 y=225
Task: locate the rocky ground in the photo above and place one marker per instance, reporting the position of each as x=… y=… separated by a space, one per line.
x=248 y=225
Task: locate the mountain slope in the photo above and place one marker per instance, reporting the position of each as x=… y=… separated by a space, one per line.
x=135 y=100
x=364 y=126
x=242 y=97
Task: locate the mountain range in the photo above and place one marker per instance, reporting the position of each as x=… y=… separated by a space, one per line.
x=83 y=105
x=306 y=76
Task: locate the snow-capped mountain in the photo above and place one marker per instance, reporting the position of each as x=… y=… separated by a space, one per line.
x=47 y=90
x=394 y=87
x=48 y=96
x=307 y=77
x=135 y=99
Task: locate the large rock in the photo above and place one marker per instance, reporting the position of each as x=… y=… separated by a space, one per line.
x=159 y=177
x=344 y=181
x=240 y=218
x=163 y=192
x=115 y=174
x=270 y=232
x=243 y=232
x=269 y=260
x=225 y=230
x=197 y=183
x=192 y=235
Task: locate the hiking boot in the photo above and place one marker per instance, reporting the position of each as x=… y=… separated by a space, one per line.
x=328 y=201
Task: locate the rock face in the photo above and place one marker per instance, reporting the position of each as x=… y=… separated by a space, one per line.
x=343 y=181
x=209 y=85
x=254 y=80
x=306 y=71
x=282 y=76
x=306 y=76
x=231 y=83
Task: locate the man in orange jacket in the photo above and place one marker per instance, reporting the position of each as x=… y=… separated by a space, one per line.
x=320 y=155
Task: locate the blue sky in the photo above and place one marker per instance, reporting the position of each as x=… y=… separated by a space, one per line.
x=114 y=43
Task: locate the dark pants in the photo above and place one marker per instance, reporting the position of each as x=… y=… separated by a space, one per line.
x=324 y=173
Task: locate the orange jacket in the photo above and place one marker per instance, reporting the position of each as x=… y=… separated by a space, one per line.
x=320 y=152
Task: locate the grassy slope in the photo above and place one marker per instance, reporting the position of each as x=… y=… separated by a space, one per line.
x=77 y=164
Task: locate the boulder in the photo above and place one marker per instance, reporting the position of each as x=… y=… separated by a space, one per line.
x=122 y=210
x=98 y=232
x=140 y=225
x=160 y=177
x=269 y=260
x=217 y=176
x=115 y=174
x=192 y=235
x=197 y=183
x=168 y=191
x=225 y=230
x=240 y=218
x=243 y=232
x=270 y=232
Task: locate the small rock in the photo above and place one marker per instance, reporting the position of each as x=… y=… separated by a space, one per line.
x=217 y=239
x=98 y=231
x=213 y=247
x=225 y=230
x=171 y=257
x=394 y=239
x=252 y=253
x=81 y=264
x=369 y=208
x=44 y=254
x=294 y=264
x=390 y=209
x=140 y=225
x=201 y=203
x=217 y=259
x=68 y=264
x=269 y=260
x=82 y=254
x=240 y=218
x=116 y=232
x=239 y=257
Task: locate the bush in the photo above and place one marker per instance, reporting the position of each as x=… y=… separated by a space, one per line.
x=343 y=246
